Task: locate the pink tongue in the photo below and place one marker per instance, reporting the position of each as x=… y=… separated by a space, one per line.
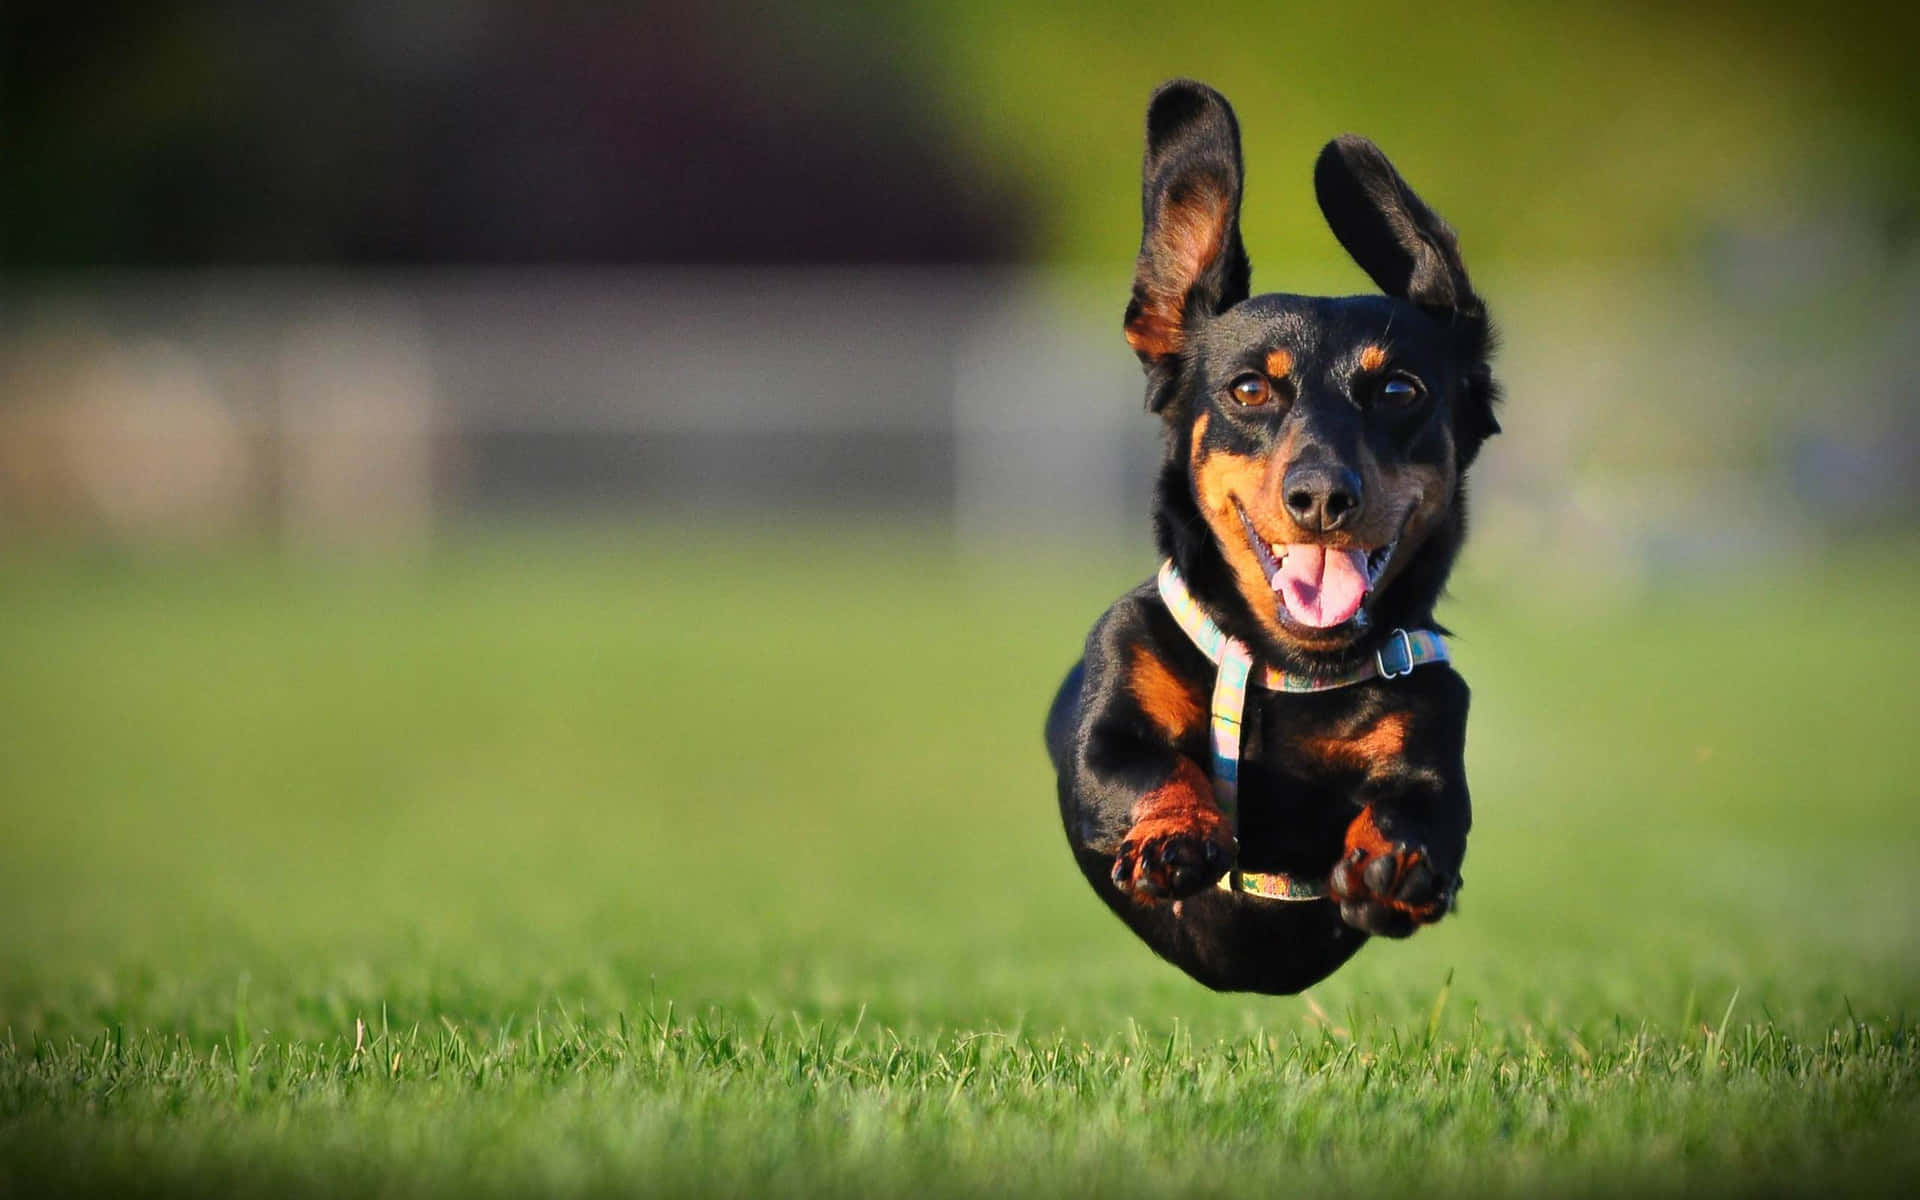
x=1322 y=587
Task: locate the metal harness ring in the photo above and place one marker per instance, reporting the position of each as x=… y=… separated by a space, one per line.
x=1379 y=657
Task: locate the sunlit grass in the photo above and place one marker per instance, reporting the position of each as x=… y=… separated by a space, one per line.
x=710 y=861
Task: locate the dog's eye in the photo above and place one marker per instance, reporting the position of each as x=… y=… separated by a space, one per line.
x=1252 y=390
x=1398 y=392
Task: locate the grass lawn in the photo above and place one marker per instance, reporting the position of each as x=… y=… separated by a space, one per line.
x=710 y=862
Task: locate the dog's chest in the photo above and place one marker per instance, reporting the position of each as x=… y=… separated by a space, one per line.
x=1301 y=759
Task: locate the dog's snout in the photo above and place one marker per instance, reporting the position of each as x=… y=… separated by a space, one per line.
x=1319 y=496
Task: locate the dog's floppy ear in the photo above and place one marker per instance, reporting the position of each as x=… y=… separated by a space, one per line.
x=1389 y=231
x=1191 y=262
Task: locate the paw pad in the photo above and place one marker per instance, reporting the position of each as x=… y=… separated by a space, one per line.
x=1388 y=887
x=1156 y=865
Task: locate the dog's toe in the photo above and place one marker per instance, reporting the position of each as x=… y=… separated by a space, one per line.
x=1165 y=865
x=1419 y=889
x=1379 y=874
x=1388 y=887
x=1376 y=919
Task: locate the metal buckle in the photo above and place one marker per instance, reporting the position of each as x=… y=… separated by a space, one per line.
x=1380 y=659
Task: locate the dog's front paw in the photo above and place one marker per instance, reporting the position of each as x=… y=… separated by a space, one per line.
x=1389 y=886
x=1163 y=860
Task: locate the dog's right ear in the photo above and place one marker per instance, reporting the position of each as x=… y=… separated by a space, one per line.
x=1191 y=263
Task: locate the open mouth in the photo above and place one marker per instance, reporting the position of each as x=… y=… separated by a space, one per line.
x=1319 y=587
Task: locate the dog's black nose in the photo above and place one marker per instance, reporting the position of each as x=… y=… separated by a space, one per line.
x=1319 y=496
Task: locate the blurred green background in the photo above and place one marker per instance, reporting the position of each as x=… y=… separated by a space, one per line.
x=180 y=133
x=513 y=508
x=771 y=772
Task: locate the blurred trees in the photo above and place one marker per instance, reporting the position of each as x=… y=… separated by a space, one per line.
x=349 y=131
x=436 y=131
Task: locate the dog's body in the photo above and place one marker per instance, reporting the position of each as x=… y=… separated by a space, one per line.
x=1312 y=501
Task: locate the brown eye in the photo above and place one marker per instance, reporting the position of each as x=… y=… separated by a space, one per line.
x=1398 y=392
x=1252 y=390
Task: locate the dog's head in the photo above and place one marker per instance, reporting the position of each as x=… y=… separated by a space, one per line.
x=1312 y=489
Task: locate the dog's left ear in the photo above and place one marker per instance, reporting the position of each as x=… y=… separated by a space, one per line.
x=1191 y=263
x=1410 y=253
x=1407 y=249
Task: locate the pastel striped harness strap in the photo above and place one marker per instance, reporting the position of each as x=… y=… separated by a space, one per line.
x=1404 y=650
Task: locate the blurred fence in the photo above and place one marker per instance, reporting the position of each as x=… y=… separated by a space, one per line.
x=1646 y=417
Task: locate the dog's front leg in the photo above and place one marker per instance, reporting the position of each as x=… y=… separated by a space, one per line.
x=1401 y=868
x=1178 y=841
x=1128 y=736
x=1401 y=864
x=1151 y=809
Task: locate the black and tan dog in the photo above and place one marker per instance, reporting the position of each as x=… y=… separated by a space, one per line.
x=1310 y=507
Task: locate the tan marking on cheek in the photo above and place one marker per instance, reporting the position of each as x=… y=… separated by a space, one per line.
x=1375 y=747
x=1218 y=479
x=1280 y=364
x=1373 y=358
x=1170 y=702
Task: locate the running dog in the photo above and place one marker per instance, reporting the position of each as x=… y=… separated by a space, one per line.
x=1260 y=754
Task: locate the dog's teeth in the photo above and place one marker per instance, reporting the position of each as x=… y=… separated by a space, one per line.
x=1279 y=552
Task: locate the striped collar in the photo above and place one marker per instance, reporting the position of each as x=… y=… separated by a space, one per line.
x=1404 y=651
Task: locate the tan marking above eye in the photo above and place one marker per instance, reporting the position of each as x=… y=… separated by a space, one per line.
x=1279 y=363
x=1373 y=358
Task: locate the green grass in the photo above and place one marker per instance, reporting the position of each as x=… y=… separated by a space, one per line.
x=591 y=863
